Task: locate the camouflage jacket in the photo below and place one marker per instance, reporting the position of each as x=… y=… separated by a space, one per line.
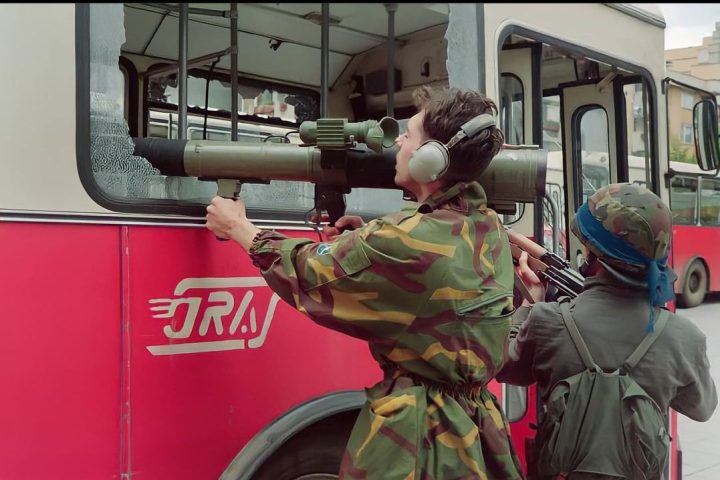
x=430 y=289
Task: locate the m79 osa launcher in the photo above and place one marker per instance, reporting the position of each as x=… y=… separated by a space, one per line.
x=336 y=156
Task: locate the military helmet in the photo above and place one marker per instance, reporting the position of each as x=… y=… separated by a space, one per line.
x=637 y=216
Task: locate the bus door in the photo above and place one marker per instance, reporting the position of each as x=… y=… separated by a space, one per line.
x=518 y=104
x=590 y=153
x=517 y=85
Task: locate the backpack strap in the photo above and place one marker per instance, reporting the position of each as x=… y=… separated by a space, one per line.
x=576 y=337
x=647 y=342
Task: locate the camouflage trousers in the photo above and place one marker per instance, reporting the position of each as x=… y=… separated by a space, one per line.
x=424 y=433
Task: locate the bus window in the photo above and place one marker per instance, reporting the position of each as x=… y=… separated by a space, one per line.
x=554 y=211
x=552 y=133
x=515 y=402
x=116 y=170
x=638 y=134
x=511 y=109
x=198 y=133
x=254 y=99
x=123 y=176
x=209 y=106
x=512 y=122
x=274 y=97
x=592 y=147
x=158 y=129
x=683 y=200
x=710 y=202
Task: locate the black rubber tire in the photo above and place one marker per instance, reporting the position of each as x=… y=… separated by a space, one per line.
x=694 y=286
x=313 y=454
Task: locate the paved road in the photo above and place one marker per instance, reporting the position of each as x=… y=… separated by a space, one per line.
x=700 y=442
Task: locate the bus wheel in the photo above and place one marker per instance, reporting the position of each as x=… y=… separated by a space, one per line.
x=313 y=454
x=695 y=285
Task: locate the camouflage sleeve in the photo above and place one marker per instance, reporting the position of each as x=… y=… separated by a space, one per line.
x=330 y=282
x=518 y=366
x=698 y=398
x=274 y=254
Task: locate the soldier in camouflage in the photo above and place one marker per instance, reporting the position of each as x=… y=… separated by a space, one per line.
x=430 y=289
x=626 y=232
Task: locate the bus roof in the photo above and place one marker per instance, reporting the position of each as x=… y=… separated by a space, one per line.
x=648 y=12
x=293 y=32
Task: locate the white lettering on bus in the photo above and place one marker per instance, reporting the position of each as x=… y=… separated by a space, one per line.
x=218 y=296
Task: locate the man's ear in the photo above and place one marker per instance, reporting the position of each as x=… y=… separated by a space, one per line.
x=590 y=266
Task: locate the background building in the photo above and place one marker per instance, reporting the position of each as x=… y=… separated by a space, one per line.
x=698 y=67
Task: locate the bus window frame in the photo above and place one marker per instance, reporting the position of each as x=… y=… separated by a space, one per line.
x=634 y=69
x=700 y=203
x=576 y=140
x=623 y=173
x=507 y=120
x=698 y=190
x=140 y=206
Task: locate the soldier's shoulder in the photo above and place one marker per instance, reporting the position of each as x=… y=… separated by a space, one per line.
x=545 y=317
x=546 y=309
x=683 y=329
x=397 y=218
x=390 y=234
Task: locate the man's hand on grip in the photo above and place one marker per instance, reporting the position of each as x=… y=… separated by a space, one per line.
x=347 y=222
x=530 y=278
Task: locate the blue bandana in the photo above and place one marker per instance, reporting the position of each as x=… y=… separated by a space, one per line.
x=657 y=278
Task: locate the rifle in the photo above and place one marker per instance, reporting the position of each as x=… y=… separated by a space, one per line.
x=548 y=266
x=336 y=156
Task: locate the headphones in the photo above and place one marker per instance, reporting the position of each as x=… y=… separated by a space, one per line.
x=431 y=160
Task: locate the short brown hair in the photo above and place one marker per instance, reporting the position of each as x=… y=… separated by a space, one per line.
x=446 y=110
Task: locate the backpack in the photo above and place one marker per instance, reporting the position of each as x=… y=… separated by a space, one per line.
x=603 y=423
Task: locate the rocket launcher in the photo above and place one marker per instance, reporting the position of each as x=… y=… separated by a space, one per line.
x=336 y=156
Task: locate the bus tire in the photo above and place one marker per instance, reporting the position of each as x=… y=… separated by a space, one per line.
x=694 y=286
x=313 y=454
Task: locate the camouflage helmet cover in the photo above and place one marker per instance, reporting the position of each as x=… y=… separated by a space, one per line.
x=636 y=215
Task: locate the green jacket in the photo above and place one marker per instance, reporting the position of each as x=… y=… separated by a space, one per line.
x=430 y=289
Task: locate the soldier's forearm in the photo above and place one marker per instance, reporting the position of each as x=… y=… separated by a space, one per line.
x=244 y=233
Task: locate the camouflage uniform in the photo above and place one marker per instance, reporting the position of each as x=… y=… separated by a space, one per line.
x=612 y=316
x=430 y=289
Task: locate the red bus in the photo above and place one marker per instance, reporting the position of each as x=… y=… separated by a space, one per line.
x=695 y=203
x=137 y=346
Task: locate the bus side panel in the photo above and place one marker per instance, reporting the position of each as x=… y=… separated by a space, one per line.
x=682 y=251
x=60 y=407
x=215 y=356
x=691 y=241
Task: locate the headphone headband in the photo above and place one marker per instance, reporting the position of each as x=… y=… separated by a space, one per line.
x=472 y=128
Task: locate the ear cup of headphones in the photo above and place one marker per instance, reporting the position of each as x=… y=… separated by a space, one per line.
x=428 y=162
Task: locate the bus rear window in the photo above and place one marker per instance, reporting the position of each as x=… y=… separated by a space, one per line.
x=683 y=200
